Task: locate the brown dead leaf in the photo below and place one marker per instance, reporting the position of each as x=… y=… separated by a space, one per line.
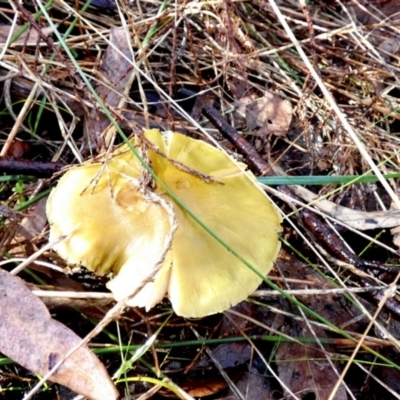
x=229 y=355
x=116 y=72
x=28 y=38
x=238 y=87
x=233 y=324
x=391 y=376
x=269 y=115
x=253 y=386
x=368 y=12
x=34 y=223
x=203 y=386
x=390 y=46
x=396 y=236
x=395 y=232
x=30 y=337
x=335 y=308
x=304 y=369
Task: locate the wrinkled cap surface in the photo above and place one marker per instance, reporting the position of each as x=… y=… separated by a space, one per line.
x=113 y=226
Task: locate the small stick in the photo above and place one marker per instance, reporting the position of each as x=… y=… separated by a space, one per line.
x=27 y=167
x=244 y=147
x=329 y=238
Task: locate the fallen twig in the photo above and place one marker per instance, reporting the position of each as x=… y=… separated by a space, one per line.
x=27 y=167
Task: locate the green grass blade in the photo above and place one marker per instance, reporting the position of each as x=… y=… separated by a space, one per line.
x=322 y=180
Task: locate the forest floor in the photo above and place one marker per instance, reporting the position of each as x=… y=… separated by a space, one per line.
x=306 y=95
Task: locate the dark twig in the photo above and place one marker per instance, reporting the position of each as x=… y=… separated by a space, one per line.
x=330 y=240
x=244 y=147
x=27 y=167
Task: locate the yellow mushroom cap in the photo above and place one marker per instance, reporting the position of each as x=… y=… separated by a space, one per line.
x=113 y=226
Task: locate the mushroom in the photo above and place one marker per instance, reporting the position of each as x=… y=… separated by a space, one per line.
x=114 y=223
